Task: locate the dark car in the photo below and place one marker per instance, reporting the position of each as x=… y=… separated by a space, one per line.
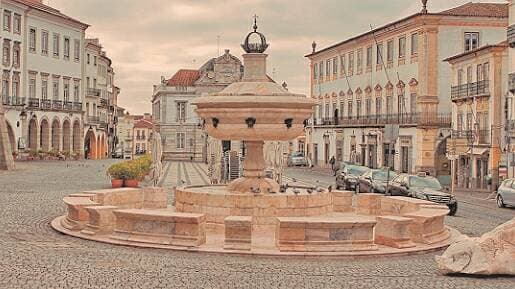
x=374 y=181
x=348 y=177
x=423 y=187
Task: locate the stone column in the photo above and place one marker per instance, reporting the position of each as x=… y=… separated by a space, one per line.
x=6 y=157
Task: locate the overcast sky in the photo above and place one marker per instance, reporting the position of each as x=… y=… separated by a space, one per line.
x=147 y=39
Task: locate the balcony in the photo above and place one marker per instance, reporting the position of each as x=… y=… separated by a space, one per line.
x=57 y=104
x=77 y=106
x=103 y=102
x=93 y=92
x=68 y=106
x=479 y=88
x=46 y=104
x=511 y=82
x=13 y=100
x=421 y=119
x=93 y=119
x=33 y=103
x=511 y=36
x=476 y=137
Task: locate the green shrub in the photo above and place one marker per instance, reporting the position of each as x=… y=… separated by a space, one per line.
x=116 y=171
x=130 y=170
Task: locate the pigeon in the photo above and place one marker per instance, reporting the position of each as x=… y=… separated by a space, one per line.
x=319 y=189
x=296 y=191
x=330 y=188
x=310 y=191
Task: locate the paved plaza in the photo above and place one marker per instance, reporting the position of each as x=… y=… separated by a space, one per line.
x=33 y=255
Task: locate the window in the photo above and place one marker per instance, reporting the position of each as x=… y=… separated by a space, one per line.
x=359 y=60
x=349 y=109
x=350 y=69
x=76 y=91
x=6 y=53
x=321 y=70
x=55 y=88
x=76 y=50
x=460 y=76
x=328 y=68
x=7 y=20
x=479 y=72
x=44 y=88
x=315 y=71
x=87 y=58
x=358 y=108
x=335 y=65
x=181 y=111
x=180 y=140
x=379 y=56
x=16 y=85
x=469 y=74
x=327 y=110
x=66 y=91
x=369 y=57
x=368 y=106
x=342 y=64
x=32 y=40
x=95 y=60
x=486 y=71
x=44 y=42
x=471 y=40
x=56 y=45
x=389 y=105
x=414 y=44
x=66 y=48
x=16 y=55
x=17 y=23
x=402 y=47
x=5 y=84
x=378 y=105
x=389 y=50
x=32 y=86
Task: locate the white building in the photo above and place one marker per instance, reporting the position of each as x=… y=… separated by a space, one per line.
x=508 y=148
x=100 y=102
x=42 y=87
x=395 y=75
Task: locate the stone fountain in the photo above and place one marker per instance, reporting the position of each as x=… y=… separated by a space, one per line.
x=254 y=110
x=253 y=214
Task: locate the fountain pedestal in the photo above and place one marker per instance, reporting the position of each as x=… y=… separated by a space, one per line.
x=254 y=180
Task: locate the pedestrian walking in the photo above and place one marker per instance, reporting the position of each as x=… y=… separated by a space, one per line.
x=332 y=161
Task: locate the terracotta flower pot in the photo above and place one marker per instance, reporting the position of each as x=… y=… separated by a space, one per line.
x=131 y=183
x=116 y=183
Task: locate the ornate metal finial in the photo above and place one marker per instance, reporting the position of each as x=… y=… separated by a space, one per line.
x=255 y=22
x=424 y=6
x=256 y=47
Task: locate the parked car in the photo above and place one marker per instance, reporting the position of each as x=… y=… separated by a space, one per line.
x=297 y=159
x=348 y=177
x=117 y=154
x=506 y=193
x=423 y=187
x=374 y=181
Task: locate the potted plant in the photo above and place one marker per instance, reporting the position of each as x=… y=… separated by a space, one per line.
x=132 y=175
x=117 y=174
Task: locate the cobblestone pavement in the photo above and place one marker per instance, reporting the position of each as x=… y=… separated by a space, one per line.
x=33 y=255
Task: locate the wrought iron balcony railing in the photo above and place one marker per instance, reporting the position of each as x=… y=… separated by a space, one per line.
x=46 y=104
x=57 y=104
x=511 y=36
x=93 y=92
x=442 y=119
x=478 y=137
x=470 y=89
x=93 y=119
x=33 y=103
x=68 y=105
x=77 y=106
x=8 y=100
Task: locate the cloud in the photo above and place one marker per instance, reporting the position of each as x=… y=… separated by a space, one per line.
x=147 y=39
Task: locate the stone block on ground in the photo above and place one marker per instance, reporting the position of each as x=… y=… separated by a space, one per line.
x=238 y=233
x=492 y=253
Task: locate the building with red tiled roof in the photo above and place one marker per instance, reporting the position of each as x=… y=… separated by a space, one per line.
x=184 y=78
x=394 y=76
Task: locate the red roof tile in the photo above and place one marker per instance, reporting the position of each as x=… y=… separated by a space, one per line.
x=184 y=77
x=143 y=123
x=498 y=10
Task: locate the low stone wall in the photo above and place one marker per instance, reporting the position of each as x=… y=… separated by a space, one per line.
x=263 y=208
x=159 y=227
x=326 y=234
x=238 y=233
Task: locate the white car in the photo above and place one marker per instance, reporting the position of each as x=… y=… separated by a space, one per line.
x=297 y=159
x=506 y=193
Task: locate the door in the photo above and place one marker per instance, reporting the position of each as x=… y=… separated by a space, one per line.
x=326 y=153
x=404 y=160
x=315 y=154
